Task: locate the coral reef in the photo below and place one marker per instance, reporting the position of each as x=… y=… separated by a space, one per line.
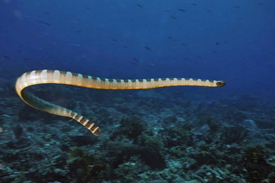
x=145 y=138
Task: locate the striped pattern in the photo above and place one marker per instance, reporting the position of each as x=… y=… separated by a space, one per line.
x=67 y=78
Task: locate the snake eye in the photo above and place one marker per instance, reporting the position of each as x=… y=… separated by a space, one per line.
x=220 y=83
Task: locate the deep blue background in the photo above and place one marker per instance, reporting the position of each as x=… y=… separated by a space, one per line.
x=229 y=40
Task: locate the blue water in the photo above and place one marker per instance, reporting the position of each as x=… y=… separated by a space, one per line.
x=231 y=40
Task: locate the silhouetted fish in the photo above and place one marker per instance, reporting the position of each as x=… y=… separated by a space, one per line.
x=147 y=48
x=6 y=57
x=135 y=59
x=209 y=11
x=173 y=17
x=139 y=5
x=45 y=23
x=237 y=6
x=182 y=10
x=194 y=4
x=183 y=44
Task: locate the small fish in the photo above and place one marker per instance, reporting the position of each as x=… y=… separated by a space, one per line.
x=194 y=4
x=135 y=59
x=151 y=64
x=6 y=57
x=213 y=51
x=147 y=48
x=87 y=8
x=47 y=13
x=182 y=10
x=260 y=4
x=173 y=17
x=217 y=43
x=169 y=37
x=114 y=40
x=45 y=23
x=209 y=11
x=125 y=46
x=167 y=11
x=139 y=5
x=237 y=6
x=183 y=44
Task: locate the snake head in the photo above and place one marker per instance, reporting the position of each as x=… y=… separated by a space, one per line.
x=220 y=83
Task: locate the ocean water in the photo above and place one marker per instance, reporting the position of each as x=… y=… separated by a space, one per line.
x=192 y=134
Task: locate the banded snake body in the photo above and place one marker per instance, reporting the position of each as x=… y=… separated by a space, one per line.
x=68 y=78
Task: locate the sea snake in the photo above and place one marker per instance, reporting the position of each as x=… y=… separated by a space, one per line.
x=68 y=78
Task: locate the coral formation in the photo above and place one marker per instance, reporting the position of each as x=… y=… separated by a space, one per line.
x=146 y=139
